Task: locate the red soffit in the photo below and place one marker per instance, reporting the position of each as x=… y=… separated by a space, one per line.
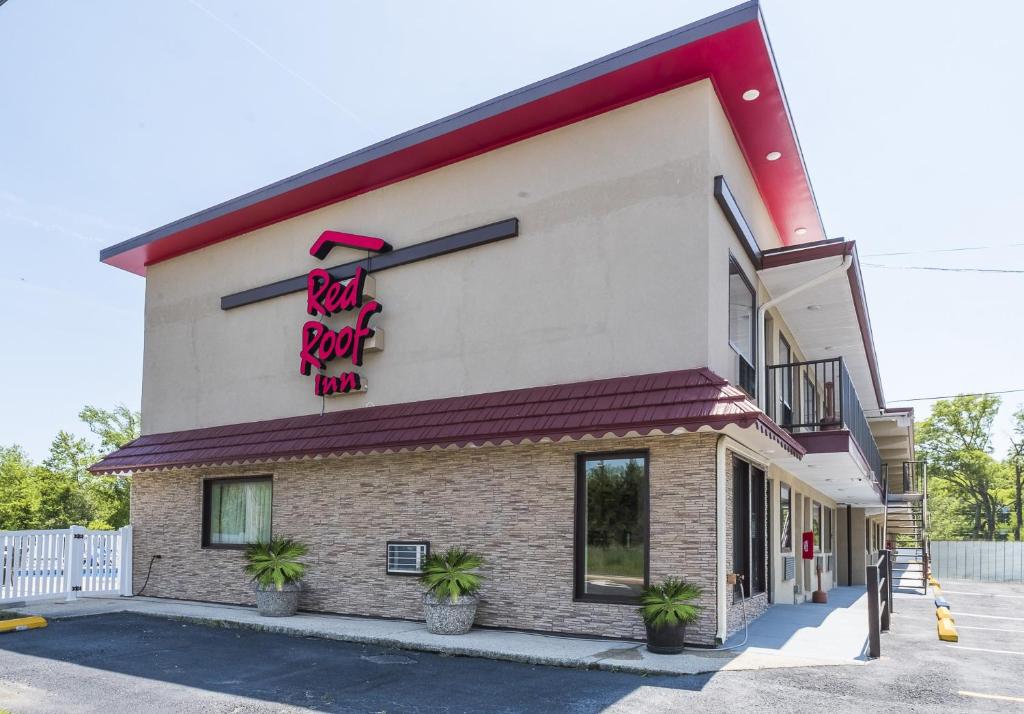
x=731 y=48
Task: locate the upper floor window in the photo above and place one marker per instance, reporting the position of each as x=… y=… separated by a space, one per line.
x=784 y=383
x=742 y=327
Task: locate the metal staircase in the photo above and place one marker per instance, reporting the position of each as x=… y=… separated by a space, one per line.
x=906 y=526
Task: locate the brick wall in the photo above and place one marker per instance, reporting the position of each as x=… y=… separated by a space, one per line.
x=513 y=504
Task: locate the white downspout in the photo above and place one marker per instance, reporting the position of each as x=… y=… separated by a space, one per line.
x=763 y=309
x=721 y=604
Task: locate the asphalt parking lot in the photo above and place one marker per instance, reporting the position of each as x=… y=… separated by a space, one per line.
x=988 y=660
x=135 y=663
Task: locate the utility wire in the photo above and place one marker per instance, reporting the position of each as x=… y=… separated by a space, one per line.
x=944 y=270
x=945 y=250
x=285 y=68
x=952 y=396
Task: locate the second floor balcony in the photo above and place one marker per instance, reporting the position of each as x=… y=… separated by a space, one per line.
x=817 y=402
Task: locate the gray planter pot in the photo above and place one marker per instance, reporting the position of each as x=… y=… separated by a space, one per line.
x=271 y=602
x=447 y=618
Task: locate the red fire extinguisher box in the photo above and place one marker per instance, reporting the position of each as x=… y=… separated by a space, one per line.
x=808 y=545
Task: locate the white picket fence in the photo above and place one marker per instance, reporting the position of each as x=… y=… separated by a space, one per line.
x=64 y=564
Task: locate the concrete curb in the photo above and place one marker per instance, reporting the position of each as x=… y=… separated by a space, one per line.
x=511 y=646
x=945 y=625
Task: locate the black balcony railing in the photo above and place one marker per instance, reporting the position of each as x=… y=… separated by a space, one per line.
x=819 y=396
x=913 y=482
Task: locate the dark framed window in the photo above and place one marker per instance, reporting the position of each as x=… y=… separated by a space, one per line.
x=826 y=529
x=749 y=526
x=785 y=519
x=742 y=325
x=810 y=415
x=612 y=526
x=406 y=557
x=785 y=409
x=237 y=511
x=816 y=525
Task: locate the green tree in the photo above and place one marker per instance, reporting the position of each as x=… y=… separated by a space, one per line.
x=115 y=427
x=70 y=455
x=956 y=441
x=1016 y=460
x=110 y=496
x=61 y=492
x=16 y=471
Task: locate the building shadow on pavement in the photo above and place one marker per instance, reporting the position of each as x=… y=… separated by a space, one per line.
x=171 y=662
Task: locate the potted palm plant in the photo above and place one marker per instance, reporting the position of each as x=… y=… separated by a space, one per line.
x=667 y=608
x=450 y=601
x=277 y=575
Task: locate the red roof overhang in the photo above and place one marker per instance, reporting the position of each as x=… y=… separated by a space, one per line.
x=641 y=405
x=730 y=48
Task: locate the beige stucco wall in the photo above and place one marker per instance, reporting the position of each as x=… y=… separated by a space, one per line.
x=514 y=505
x=608 y=277
x=803 y=496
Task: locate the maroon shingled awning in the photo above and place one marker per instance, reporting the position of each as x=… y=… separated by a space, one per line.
x=644 y=404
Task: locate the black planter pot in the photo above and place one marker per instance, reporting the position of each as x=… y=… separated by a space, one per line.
x=666 y=640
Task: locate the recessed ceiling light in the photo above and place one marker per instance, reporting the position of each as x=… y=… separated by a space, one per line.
x=800 y=231
x=774 y=155
x=750 y=95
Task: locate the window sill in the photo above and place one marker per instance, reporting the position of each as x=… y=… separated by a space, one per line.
x=225 y=546
x=598 y=600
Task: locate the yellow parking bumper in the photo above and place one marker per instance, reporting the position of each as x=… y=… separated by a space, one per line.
x=943 y=613
x=947 y=631
x=22 y=623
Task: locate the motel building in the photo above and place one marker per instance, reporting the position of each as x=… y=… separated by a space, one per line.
x=592 y=329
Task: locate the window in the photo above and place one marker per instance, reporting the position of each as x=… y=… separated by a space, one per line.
x=749 y=526
x=405 y=557
x=785 y=516
x=785 y=410
x=810 y=415
x=742 y=327
x=816 y=525
x=827 y=531
x=236 y=511
x=611 y=526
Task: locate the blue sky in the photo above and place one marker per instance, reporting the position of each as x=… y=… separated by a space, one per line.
x=121 y=116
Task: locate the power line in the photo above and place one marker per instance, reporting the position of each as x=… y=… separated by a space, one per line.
x=944 y=270
x=953 y=396
x=946 y=250
x=285 y=68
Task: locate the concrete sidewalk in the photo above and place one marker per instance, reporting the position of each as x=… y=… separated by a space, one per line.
x=836 y=631
x=764 y=651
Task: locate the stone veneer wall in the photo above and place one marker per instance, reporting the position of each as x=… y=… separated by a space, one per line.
x=755 y=606
x=513 y=504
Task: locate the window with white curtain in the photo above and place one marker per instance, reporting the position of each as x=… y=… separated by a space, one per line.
x=236 y=511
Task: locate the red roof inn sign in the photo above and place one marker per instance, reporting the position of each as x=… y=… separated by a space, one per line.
x=327 y=296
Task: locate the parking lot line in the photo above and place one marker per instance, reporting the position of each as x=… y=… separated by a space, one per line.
x=982 y=649
x=998 y=697
x=988 y=629
x=963 y=592
x=990 y=617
